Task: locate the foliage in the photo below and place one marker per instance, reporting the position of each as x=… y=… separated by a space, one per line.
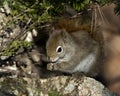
x=41 y=11
x=59 y=6
x=15 y=46
x=38 y=12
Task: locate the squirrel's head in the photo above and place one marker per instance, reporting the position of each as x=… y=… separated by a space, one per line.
x=58 y=45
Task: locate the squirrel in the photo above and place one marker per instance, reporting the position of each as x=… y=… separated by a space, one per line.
x=72 y=47
x=73 y=51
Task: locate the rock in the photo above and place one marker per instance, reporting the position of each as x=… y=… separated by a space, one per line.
x=55 y=86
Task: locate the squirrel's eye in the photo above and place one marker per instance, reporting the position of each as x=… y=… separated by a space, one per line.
x=59 y=49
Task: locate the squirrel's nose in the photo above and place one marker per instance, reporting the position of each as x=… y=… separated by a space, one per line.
x=54 y=60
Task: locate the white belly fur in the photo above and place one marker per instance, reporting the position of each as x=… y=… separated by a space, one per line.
x=85 y=64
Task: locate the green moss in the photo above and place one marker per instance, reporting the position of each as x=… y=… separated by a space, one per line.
x=54 y=93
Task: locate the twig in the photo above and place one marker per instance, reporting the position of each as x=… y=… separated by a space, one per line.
x=18 y=36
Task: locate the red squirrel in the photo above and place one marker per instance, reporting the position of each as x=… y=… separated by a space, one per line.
x=73 y=48
x=75 y=52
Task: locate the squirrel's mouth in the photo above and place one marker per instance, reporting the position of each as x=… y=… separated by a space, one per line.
x=57 y=59
x=54 y=60
x=52 y=63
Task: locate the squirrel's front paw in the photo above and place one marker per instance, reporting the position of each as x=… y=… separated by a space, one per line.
x=50 y=66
